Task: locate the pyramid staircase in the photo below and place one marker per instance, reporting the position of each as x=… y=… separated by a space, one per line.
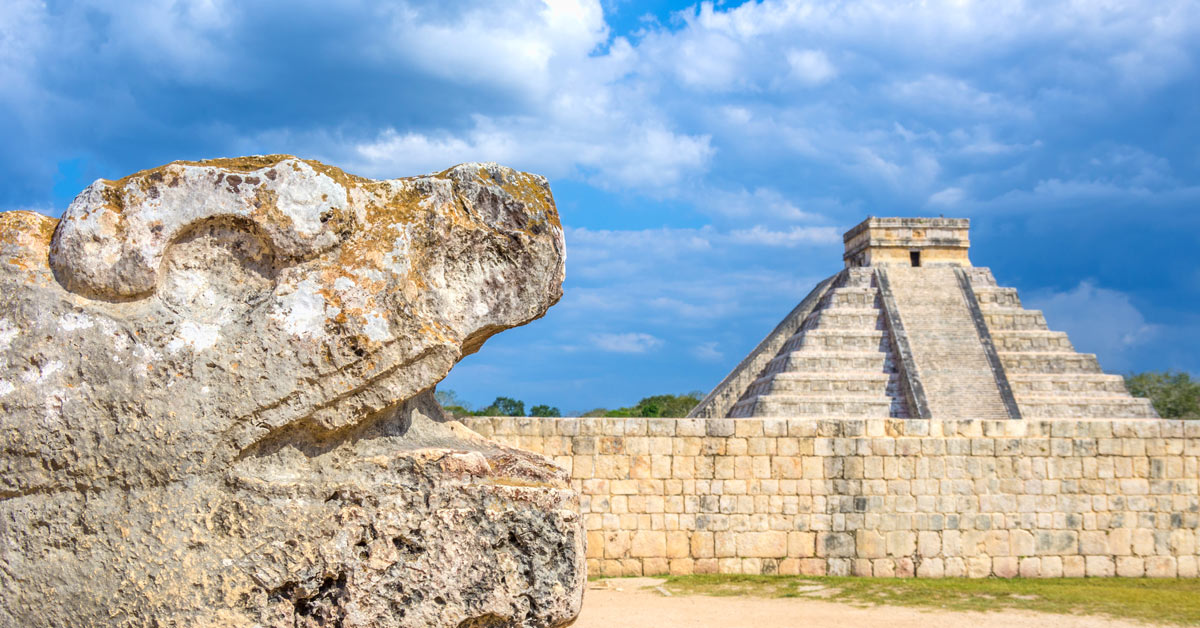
x=951 y=359
x=839 y=363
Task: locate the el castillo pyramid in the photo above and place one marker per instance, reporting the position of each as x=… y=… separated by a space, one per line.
x=910 y=329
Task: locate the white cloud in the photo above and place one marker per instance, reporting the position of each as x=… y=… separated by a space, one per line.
x=707 y=352
x=947 y=197
x=955 y=96
x=1097 y=320
x=672 y=279
x=519 y=44
x=625 y=343
x=761 y=203
x=675 y=110
x=22 y=33
x=810 y=67
x=762 y=236
x=649 y=158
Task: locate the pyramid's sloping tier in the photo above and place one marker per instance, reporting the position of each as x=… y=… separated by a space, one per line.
x=1048 y=378
x=927 y=342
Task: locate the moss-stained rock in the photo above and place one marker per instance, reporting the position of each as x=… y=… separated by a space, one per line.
x=216 y=386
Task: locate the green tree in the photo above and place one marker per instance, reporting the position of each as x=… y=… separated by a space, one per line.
x=672 y=406
x=544 y=410
x=1174 y=394
x=503 y=406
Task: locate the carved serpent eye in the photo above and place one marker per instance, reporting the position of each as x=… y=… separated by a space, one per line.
x=112 y=240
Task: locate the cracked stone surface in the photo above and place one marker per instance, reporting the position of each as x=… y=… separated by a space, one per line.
x=216 y=388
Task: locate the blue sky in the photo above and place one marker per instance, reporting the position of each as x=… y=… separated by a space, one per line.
x=705 y=159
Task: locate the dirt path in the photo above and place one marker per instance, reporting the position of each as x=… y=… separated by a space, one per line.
x=628 y=603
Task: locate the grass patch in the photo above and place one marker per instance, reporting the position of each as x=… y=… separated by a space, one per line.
x=1165 y=601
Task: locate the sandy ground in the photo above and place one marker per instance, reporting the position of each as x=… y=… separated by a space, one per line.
x=634 y=603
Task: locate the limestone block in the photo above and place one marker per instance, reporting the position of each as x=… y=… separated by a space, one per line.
x=979 y=566
x=1099 y=566
x=929 y=543
x=745 y=429
x=655 y=566
x=812 y=567
x=1022 y=543
x=1052 y=566
x=1161 y=567
x=595 y=544
x=931 y=568
x=839 y=567
x=1143 y=542
x=1183 y=542
x=725 y=544
x=1005 y=566
x=802 y=544
x=678 y=544
x=617 y=544
x=901 y=543
x=1120 y=541
x=1187 y=566
x=1130 y=567
x=1093 y=542
x=1056 y=542
x=775 y=428
x=682 y=567
x=956 y=567
x=719 y=427
x=835 y=544
x=870 y=544
x=772 y=544
x=1030 y=567
x=648 y=544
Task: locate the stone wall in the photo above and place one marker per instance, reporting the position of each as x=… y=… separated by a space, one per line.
x=879 y=497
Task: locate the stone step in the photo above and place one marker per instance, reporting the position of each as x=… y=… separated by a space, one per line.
x=951 y=364
x=861 y=382
x=1087 y=384
x=804 y=405
x=1030 y=340
x=1058 y=407
x=1020 y=362
x=837 y=339
x=829 y=361
x=996 y=296
x=980 y=277
x=851 y=297
x=844 y=318
x=859 y=277
x=1013 y=318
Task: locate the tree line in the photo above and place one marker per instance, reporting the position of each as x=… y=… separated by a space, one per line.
x=1175 y=395
x=655 y=406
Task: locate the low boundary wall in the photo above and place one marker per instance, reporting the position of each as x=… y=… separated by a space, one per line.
x=878 y=497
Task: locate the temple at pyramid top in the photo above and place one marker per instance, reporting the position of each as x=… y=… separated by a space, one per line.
x=908 y=242
x=910 y=329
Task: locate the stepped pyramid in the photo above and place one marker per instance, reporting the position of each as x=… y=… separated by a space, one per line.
x=910 y=329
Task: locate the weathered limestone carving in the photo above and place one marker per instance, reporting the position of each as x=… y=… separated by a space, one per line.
x=215 y=384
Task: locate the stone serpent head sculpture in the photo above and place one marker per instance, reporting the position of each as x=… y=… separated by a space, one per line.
x=216 y=402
